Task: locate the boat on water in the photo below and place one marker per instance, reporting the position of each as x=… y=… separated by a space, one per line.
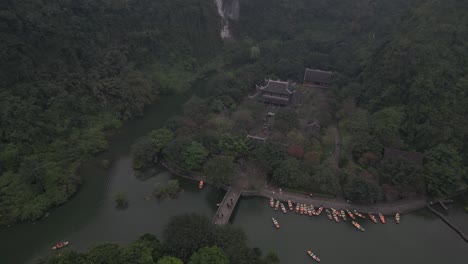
x=358 y=226
x=302 y=209
x=275 y=223
x=397 y=218
x=290 y=205
x=382 y=218
x=309 y=211
x=351 y=214
x=320 y=210
x=277 y=205
x=297 y=208
x=283 y=208
x=343 y=215
x=335 y=215
x=359 y=214
x=60 y=245
x=373 y=218
x=272 y=202
x=200 y=185
x=329 y=214
x=312 y=255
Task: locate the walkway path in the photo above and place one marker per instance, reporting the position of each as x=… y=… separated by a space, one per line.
x=403 y=206
x=228 y=204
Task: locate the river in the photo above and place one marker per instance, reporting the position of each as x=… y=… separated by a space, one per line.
x=90 y=217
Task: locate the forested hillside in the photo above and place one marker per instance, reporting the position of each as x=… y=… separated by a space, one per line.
x=71 y=70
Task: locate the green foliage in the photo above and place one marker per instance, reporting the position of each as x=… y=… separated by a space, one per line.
x=73 y=70
x=220 y=170
x=386 y=124
x=161 y=137
x=444 y=170
x=269 y=155
x=233 y=146
x=190 y=155
x=144 y=153
x=361 y=190
x=286 y=119
x=289 y=173
x=402 y=174
x=189 y=238
x=194 y=156
x=209 y=255
x=172 y=189
x=325 y=181
x=170 y=260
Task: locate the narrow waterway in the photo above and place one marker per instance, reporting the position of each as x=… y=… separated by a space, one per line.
x=90 y=217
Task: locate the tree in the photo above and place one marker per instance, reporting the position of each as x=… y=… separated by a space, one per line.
x=269 y=155
x=209 y=255
x=194 y=156
x=296 y=151
x=161 y=137
x=402 y=174
x=289 y=173
x=144 y=153
x=286 y=119
x=271 y=258
x=361 y=190
x=325 y=181
x=444 y=170
x=254 y=52
x=386 y=124
x=169 y=260
x=221 y=170
x=187 y=233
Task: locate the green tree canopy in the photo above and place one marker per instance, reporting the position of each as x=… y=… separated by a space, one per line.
x=160 y=137
x=221 y=169
x=444 y=170
x=209 y=255
x=144 y=153
x=361 y=190
x=169 y=260
x=194 y=156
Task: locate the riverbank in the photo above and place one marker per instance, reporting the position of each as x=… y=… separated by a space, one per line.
x=402 y=206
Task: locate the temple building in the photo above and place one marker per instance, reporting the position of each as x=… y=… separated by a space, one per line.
x=277 y=93
x=317 y=78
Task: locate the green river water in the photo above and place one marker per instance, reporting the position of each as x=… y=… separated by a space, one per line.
x=90 y=217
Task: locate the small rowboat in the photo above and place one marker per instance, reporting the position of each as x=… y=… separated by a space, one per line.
x=200 y=185
x=397 y=218
x=372 y=217
x=313 y=209
x=320 y=210
x=275 y=223
x=335 y=215
x=382 y=218
x=309 y=212
x=272 y=202
x=60 y=245
x=359 y=214
x=358 y=226
x=329 y=214
x=343 y=215
x=297 y=208
x=312 y=255
x=290 y=205
x=302 y=209
x=351 y=214
x=283 y=208
x=277 y=205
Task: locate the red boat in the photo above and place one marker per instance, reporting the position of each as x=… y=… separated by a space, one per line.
x=283 y=208
x=275 y=223
x=297 y=208
x=382 y=218
x=272 y=202
x=351 y=214
x=343 y=215
x=320 y=210
x=312 y=255
x=277 y=205
x=200 y=185
x=60 y=245
x=372 y=217
x=290 y=205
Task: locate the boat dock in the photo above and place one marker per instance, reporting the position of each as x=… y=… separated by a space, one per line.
x=461 y=233
x=227 y=205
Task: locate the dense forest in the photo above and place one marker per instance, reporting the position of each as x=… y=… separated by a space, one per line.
x=188 y=239
x=73 y=70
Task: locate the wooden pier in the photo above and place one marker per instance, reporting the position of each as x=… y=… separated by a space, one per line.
x=448 y=223
x=227 y=205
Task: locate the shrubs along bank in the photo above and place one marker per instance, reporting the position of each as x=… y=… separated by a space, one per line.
x=188 y=239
